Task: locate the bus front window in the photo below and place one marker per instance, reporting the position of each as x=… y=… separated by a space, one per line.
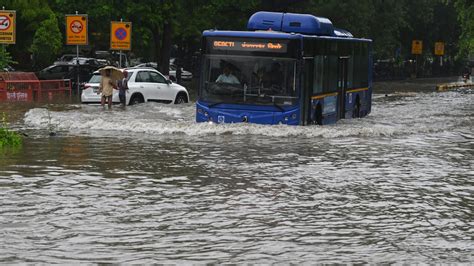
x=249 y=80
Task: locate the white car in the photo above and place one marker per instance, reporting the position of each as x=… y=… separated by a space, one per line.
x=144 y=85
x=185 y=75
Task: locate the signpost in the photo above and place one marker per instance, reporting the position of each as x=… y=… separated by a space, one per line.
x=7 y=27
x=120 y=37
x=416 y=49
x=439 y=48
x=76 y=30
x=76 y=34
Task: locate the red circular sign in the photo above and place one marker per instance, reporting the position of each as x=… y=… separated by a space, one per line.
x=76 y=26
x=5 y=22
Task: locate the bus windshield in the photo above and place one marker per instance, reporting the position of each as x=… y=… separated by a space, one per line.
x=249 y=80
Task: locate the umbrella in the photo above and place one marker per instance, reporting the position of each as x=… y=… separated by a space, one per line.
x=115 y=73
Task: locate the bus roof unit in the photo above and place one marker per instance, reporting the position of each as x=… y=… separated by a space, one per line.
x=296 y=23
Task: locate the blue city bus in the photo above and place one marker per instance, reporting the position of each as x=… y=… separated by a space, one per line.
x=294 y=69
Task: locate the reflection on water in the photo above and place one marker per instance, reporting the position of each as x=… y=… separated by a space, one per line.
x=147 y=185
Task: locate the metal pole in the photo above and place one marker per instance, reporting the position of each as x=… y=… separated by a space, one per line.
x=120 y=52
x=77 y=68
x=4 y=51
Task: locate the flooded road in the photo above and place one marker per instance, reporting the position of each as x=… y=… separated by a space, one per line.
x=149 y=185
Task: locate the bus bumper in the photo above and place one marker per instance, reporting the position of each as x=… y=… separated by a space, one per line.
x=230 y=115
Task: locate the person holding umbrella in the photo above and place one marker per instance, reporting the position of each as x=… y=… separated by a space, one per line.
x=110 y=76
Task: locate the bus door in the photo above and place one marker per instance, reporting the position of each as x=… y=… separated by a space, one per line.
x=306 y=89
x=342 y=85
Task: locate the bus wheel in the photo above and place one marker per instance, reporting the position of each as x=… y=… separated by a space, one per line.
x=356 y=110
x=318 y=115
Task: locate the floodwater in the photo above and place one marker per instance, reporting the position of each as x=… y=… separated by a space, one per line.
x=149 y=185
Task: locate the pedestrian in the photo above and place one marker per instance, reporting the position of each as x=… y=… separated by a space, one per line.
x=123 y=88
x=107 y=87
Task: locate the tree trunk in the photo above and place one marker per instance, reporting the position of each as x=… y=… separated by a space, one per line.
x=165 y=51
x=157 y=47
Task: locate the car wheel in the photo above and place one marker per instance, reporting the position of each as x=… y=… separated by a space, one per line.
x=136 y=99
x=181 y=98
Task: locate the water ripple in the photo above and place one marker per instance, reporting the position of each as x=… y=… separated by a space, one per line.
x=394 y=187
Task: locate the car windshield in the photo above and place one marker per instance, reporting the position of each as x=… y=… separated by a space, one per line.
x=95 y=78
x=249 y=80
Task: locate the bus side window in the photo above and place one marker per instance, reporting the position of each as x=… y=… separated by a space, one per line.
x=331 y=73
x=318 y=75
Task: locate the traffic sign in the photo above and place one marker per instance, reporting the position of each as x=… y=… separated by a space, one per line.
x=439 y=48
x=416 y=47
x=76 y=30
x=120 y=35
x=7 y=27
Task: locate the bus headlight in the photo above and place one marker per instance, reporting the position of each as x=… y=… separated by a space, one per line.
x=293 y=116
x=206 y=114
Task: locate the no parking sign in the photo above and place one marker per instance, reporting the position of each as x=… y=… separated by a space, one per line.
x=7 y=27
x=120 y=35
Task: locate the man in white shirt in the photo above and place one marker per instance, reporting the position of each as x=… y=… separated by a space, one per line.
x=227 y=77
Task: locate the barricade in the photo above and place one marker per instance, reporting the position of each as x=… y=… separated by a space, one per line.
x=17 y=91
x=54 y=90
x=25 y=87
x=18 y=86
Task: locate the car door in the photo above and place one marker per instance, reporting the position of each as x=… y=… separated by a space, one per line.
x=149 y=85
x=162 y=86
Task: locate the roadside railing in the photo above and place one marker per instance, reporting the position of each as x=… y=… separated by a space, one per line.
x=54 y=90
x=25 y=87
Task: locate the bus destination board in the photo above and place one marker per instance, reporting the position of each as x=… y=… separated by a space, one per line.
x=250 y=46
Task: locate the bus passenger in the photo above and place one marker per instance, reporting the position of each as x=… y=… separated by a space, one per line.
x=227 y=77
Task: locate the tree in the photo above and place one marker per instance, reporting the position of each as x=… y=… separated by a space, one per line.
x=29 y=14
x=465 y=9
x=47 y=42
x=385 y=24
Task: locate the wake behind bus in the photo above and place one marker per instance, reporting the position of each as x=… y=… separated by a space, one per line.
x=294 y=69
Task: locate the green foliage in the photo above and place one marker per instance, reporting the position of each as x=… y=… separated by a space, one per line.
x=47 y=42
x=391 y=24
x=28 y=15
x=8 y=137
x=5 y=58
x=465 y=9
